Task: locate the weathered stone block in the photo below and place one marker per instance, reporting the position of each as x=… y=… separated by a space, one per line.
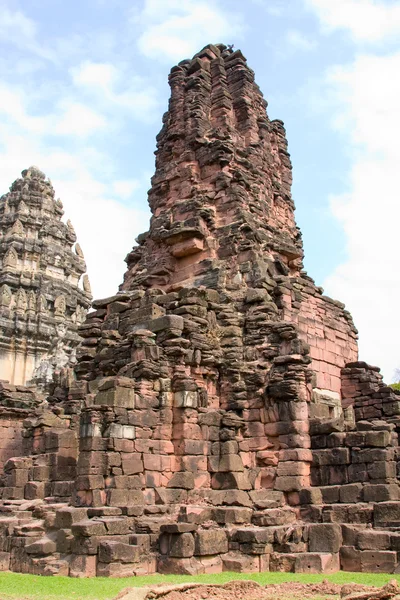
x=182 y=479
x=117 y=525
x=310 y=562
x=83 y=565
x=177 y=545
x=350 y=559
x=230 y=462
x=88 y=528
x=379 y=439
x=240 y=563
x=310 y=495
x=115 y=569
x=132 y=464
x=373 y=540
x=282 y=563
x=166 y=322
x=123 y=397
x=231 y=515
x=4 y=561
x=324 y=537
x=41 y=547
x=351 y=493
x=64 y=540
x=387 y=514
x=179 y=566
x=382 y=470
x=178 y=528
x=187 y=247
x=375 y=561
x=381 y=492
x=211 y=541
x=118 y=552
x=291 y=483
x=68 y=515
x=185 y=399
x=266 y=498
x=274 y=516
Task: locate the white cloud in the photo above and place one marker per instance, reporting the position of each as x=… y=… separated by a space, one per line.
x=12 y=106
x=367 y=96
x=275 y=8
x=366 y=20
x=79 y=120
x=298 y=41
x=69 y=118
x=174 y=30
x=125 y=188
x=21 y=31
x=116 y=88
x=97 y=75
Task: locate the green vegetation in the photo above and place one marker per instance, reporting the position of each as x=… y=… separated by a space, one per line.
x=14 y=586
x=395 y=387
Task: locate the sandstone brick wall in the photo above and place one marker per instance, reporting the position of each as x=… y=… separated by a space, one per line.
x=11 y=440
x=362 y=457
x=325 y=325
x=363 y=389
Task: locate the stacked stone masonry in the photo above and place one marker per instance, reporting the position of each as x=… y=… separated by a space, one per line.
x=217 y=417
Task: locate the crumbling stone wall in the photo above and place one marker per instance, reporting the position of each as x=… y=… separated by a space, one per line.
x=16 y=404
x=364 y=390
x=11 y=441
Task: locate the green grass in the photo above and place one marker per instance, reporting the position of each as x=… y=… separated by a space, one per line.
x=14 y=586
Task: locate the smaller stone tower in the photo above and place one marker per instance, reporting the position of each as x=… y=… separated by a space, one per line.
x=41 y=301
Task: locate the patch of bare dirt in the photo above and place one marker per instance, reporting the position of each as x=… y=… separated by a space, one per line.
x=250 y=590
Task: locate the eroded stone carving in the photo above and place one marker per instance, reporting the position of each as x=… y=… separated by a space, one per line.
x=60 y=306
x=10 y=258
x=5 y=295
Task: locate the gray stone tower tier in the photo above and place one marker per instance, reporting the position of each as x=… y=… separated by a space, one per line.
x=43 y=296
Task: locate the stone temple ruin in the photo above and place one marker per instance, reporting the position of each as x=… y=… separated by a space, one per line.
x=217 y=417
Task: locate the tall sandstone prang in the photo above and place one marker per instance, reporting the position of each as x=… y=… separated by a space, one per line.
x=219 y=419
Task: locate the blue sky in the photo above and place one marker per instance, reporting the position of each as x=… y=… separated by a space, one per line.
x=83 y=87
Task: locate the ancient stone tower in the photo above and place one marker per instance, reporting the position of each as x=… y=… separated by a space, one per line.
x=41 y=301
x=219 y=419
